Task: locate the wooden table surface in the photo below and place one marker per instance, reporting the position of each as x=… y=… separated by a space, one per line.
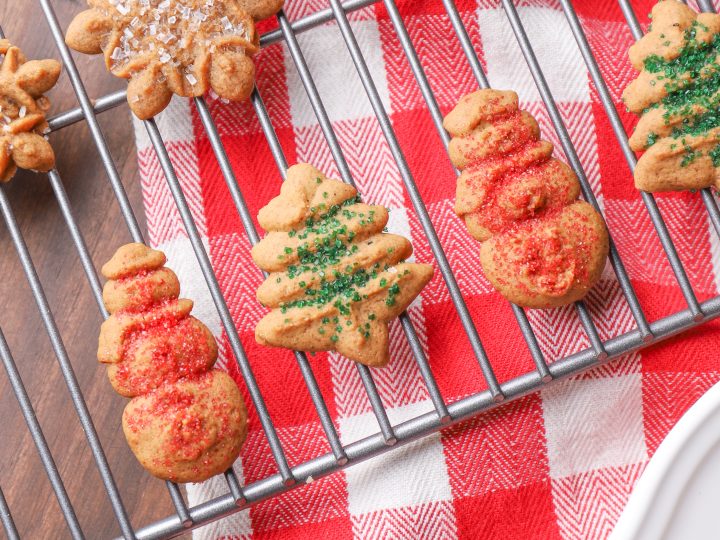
x=22 y=477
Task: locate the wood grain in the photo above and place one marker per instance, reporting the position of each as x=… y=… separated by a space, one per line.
x=22 y=476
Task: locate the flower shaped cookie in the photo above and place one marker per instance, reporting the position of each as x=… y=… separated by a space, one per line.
x=173 y=46
x=22 y=111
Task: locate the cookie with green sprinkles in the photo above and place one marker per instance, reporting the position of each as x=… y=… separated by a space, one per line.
x=677 y=95
x=335 y=278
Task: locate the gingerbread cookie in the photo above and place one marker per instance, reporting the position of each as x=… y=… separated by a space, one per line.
x=336 y=279
x=542 y=247
x=677 y=94
x=22 y=111
x=187 y=421
x=174 y=46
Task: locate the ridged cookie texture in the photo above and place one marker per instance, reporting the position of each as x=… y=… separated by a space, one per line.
x=677 y=94
x=186 y=421
x=184 y=47
x=541 y=246
x=336 y=279
x=22 y=111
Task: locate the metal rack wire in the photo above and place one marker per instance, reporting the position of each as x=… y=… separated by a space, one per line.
x=237 y=496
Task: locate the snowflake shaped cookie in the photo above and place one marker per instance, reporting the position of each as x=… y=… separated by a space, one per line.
x=22 y=111
x=173 y=46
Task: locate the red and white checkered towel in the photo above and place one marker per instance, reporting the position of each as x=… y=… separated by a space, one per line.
x=557 y=464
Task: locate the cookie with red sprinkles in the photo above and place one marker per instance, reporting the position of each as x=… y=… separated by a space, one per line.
x=190 y=430
x=541 y=246
x=186 y=421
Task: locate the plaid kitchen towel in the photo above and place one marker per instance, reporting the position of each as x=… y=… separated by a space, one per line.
x=557 y=464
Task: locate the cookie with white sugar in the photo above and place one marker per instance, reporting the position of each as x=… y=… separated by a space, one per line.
x=167 y=47
x=22 y=111
x=336 y=279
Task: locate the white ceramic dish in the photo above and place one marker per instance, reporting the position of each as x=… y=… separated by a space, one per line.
x=678 y=495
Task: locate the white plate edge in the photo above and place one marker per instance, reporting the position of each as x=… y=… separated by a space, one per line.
x=652 y=503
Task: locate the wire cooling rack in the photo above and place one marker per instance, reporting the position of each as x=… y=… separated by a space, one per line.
x=389 y=436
